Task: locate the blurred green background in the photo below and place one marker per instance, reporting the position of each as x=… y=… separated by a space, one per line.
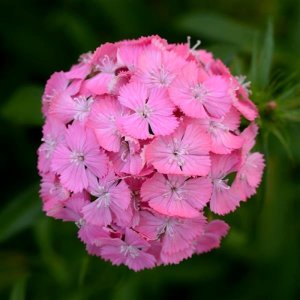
x=41 y=258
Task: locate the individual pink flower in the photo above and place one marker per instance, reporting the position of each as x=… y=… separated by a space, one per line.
x=224 y=138
x=67 y=108
x=58 y=84
x=77 y=156
x=131 y=252
x=185 y=152
x=150 y=109
x=199 y=95
x=176 y=234
x=53 y=134
x=176 y=195
x=224 y=198
x=158 y=69
x=105 y=65
x=112 y=199
x=103 y=119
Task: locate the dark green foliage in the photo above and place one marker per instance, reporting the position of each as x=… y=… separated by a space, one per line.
x=41 y=258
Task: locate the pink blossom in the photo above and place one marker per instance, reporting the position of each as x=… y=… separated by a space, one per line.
x=223 y=132
x=67 y=108
x=199 y=95
x=58 y=84
x=142 y=140
x=112 y=199
x=184 y=152
x=151 y=108
x=176 y=195
x=53 y=134
x=158 y=68
x=132 y=251
x=224 y=198
x=103 y=119
x=77 y=156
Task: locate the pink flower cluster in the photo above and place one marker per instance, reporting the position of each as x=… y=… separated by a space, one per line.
x=139 y=137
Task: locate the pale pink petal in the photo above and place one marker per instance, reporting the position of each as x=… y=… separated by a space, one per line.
x=211 y=238
x=63 y=107
x=135 y=126
x=102 y=119
x=224 y=199
x=97 y=213
x=216 y=99
x=176 y=258
x=222 y=165
x=100 y=83
x=91 y=234
x=249 y=175
x=133 y=95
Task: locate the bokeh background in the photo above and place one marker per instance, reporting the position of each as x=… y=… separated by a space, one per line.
x=41 y=258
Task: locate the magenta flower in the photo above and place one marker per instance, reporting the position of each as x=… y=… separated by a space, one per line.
x=131 y=252
x=185 y=152
x=112 y=199
x=142 y=139
x=199 y=95
x=175 y=195
x=77 y=156
x=151 y=109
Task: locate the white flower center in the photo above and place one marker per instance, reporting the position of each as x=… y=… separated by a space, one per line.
x=83 y=107
x=103 y=196
x=199 y=92
x=77 y=157
x=178 y=152
x=221 y=184
x=145 y=111
x=129 y=250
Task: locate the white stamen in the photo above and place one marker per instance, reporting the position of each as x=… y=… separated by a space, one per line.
x=77 y=157
x=83 y=107
x=129 y=250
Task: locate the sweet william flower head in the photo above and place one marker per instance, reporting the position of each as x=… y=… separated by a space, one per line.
x=139 y=137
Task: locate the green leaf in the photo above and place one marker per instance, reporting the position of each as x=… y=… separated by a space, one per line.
x=24 y=106
x=21 y=212
x=265 y=59
x=18 y=291
x=219 y=28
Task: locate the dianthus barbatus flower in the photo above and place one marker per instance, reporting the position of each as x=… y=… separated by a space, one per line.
x=141 y=139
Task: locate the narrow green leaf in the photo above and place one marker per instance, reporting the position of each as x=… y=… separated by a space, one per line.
x=219 y=28
x=21 y=212
x=18 y=290
x=265 y=59
x=24 y=106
